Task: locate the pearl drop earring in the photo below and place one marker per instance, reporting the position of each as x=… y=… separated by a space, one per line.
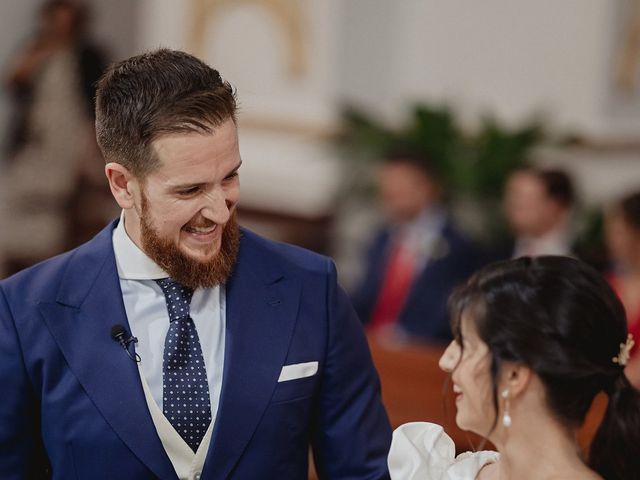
x=506 y=418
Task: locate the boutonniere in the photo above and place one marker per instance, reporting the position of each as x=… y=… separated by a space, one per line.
x=440 y=248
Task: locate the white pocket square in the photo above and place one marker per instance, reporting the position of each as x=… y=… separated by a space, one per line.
x=298 y=370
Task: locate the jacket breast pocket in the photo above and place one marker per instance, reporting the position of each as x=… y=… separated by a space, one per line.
x=293 y=390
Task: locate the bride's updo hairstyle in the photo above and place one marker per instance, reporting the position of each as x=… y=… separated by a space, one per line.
x=559 y=317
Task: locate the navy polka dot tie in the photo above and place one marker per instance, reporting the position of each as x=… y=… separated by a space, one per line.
x=185 y=390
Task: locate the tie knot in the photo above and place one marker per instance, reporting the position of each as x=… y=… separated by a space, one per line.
x=177 y=296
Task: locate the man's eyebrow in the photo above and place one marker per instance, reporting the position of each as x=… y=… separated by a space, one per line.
x=235 y=169
x=185 y=186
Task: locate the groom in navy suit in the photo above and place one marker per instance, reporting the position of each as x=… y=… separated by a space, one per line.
x=246 y=352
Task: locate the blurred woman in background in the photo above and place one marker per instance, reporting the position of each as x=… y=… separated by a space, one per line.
x=52 y=141
x=622 y=235
x=535 y=341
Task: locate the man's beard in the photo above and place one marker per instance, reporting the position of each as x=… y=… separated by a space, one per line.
x=183 y=268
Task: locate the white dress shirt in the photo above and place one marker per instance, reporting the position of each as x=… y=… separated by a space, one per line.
x=554 y=242
x=422 y=237
x=146 y=310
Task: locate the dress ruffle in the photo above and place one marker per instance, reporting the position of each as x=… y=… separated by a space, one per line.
x=422 y=450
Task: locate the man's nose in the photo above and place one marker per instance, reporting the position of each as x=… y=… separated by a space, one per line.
x=217 y=206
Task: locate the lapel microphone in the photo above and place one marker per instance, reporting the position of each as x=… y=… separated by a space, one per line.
x=118 y=333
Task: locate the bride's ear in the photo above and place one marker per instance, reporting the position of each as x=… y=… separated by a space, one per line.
x=516 y=377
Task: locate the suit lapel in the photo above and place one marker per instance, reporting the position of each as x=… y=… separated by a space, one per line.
x=89 y=303
x=260 y=317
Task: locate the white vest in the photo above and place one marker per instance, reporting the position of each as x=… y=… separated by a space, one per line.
x=188 y=465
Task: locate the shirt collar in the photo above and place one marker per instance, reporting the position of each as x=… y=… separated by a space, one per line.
x=430 y=220
x=554 y=242
x=132 y=262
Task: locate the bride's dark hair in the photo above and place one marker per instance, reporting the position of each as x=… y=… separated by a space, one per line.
x=559 y=317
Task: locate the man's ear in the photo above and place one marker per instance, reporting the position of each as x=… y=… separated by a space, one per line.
x=122 y=183
x=516 y=377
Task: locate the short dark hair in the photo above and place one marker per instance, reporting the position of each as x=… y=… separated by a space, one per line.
x=410 y=155
x=561 y=318
x=558 y=185
x=157 y=93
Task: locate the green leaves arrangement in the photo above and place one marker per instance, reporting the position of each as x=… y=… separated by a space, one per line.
x=473 y=165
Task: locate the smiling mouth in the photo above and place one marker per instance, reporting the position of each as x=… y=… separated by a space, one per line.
x=203 y=235
x=201 y=230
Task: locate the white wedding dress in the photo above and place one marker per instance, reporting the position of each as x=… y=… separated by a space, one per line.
x=423 y=451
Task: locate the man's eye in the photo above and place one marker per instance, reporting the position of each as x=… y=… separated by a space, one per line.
x=232 y=176
x=188 y=191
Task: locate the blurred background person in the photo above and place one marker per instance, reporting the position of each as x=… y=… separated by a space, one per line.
x=622 y=235
x=416 y=258
x=51 y=141
x=538 y=205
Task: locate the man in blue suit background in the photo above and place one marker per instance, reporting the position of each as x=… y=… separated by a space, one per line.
x=416 y=258
x=247 y=350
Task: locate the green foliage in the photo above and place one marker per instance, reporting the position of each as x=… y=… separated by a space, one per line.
x=476 y=163
x=497 y=151
x=473 y=165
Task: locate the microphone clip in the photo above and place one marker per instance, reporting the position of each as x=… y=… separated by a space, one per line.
x=118 y=333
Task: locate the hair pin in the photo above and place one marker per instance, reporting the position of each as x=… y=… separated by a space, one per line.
x=625 y=351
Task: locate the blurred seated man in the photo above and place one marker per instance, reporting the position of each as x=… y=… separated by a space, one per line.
x=416 y=259
x=538 y=205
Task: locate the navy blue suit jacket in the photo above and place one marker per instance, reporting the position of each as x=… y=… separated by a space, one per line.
x=72 y=398
x=424 y=315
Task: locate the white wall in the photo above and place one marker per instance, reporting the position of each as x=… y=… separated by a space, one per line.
x=247 y=45
x=162 y=23
x=513 y=58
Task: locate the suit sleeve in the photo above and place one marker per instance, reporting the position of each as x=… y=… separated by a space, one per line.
x=351 y=435
x=21 y=452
